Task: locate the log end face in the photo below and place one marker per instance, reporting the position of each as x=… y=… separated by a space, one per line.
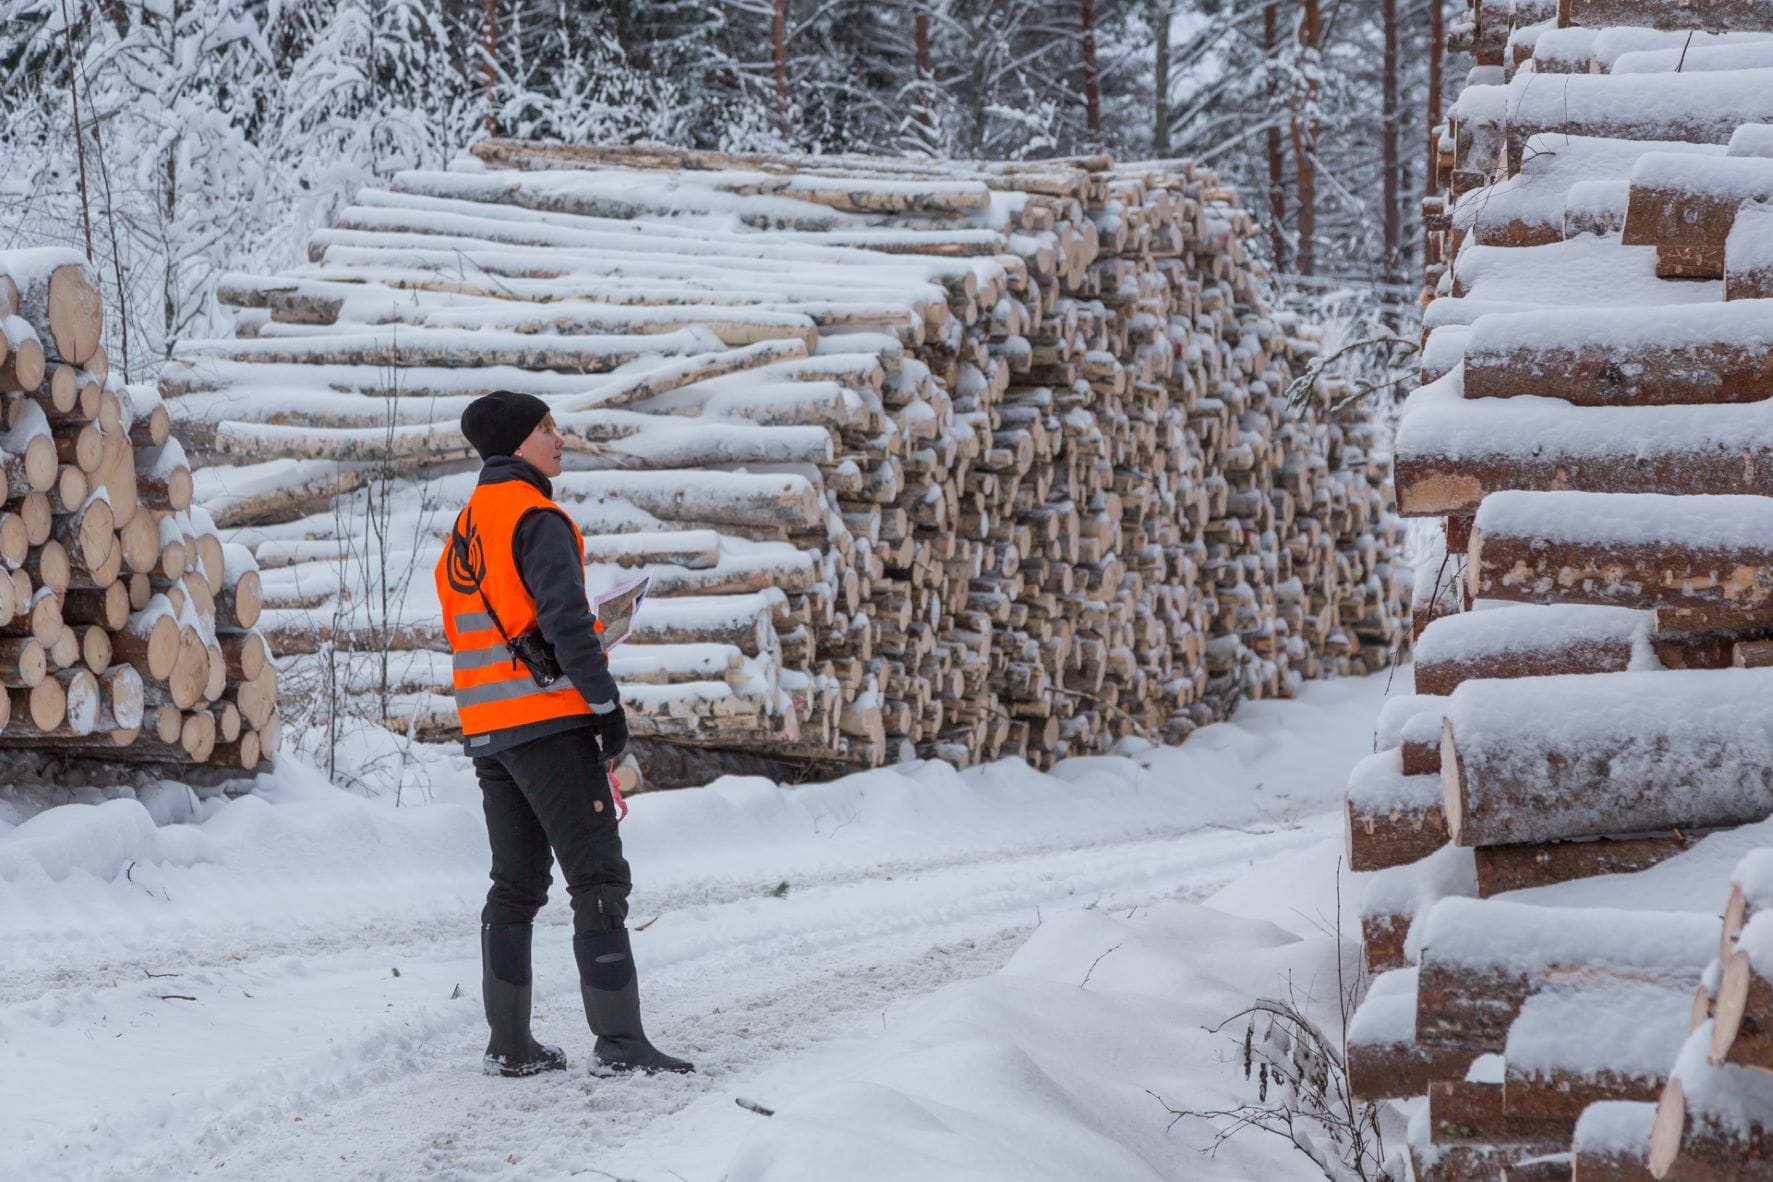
x=1731 y=1005
x=48 y=704
x=76 y=313
x=40 y=463
x=1667 y=1129
x=83 y=702
x=1452 y=789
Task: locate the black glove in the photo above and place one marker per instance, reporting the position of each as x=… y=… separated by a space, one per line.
x=612 y=734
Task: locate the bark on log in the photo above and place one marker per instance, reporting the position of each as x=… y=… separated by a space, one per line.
x=87 y=534
x=242 y=752
x=257 y=699
x=1522 y=867
x=1392 y=818
x=1703 y=355
x=1604 y=556
x=1581 y=449
x=1552 y=1073
x=240 y=606
x=42 y=707
x=227 y=722
x=41 y=618
x=124 y=705
x=1400 y=1070
x=1658 y=752
x=1527 y=642
x=22 y=366
x=150 y=641
x=246 y=655
x=1482 y=959
x=446 y=349
x=23 y=662
x=1688 y=201
x=107 y=607
x=1709 y=15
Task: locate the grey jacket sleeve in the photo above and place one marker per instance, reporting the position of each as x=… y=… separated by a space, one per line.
x=548 y=562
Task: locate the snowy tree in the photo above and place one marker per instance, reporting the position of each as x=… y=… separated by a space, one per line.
x=215 y=133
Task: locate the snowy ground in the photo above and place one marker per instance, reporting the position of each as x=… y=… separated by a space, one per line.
x=924 y=973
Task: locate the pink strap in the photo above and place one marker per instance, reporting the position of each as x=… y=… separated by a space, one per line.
x=621 y=804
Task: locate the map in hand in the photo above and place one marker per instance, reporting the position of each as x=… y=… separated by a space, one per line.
x=615 y=609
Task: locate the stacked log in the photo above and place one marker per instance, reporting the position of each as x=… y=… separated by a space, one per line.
x=1593 y=430
x=924 y=459
x=127 y=628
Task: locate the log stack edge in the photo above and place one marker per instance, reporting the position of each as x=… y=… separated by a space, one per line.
x=1593 y=632
x=127 y=626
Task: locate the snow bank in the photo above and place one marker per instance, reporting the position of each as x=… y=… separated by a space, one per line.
x=1031 y=1075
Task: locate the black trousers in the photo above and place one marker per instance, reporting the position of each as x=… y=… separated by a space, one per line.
x=552 y=793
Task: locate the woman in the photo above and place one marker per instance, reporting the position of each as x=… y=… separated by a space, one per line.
x=542 y=720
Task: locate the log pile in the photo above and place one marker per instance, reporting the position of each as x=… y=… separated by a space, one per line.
x=127 y=627
x=950 y=460
x=1595 y=430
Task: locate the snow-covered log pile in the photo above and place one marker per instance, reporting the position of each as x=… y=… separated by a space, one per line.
x=1595 y=429
x=126 y=626
x=955 y=460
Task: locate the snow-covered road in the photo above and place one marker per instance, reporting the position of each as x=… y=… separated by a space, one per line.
x=288 y=987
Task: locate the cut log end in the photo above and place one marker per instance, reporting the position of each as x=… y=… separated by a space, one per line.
x=1666 y=1132
x=1731 y=1005
x=1453 y=792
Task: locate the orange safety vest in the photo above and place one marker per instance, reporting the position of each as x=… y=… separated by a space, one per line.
x=493 y=689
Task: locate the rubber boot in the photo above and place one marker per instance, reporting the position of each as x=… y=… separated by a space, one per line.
x=612 y=1004
x=505 y=987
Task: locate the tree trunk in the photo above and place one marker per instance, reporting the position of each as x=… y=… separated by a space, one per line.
x=1437 y=48
x=1304 y=125
x=1393 y=188
x=1160 y=27
x=1092 y=85
x=489 y=62
x=779 y=59
x=1277 y=177
x=923 y=113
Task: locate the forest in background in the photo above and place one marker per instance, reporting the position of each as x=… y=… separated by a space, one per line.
x=196 y=137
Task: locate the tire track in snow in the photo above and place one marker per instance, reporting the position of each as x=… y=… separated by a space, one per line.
x=733 y=978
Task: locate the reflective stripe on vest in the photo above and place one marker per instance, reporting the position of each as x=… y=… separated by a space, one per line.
x=493 y=690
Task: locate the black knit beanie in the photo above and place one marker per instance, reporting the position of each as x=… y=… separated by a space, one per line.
x=498 y=423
